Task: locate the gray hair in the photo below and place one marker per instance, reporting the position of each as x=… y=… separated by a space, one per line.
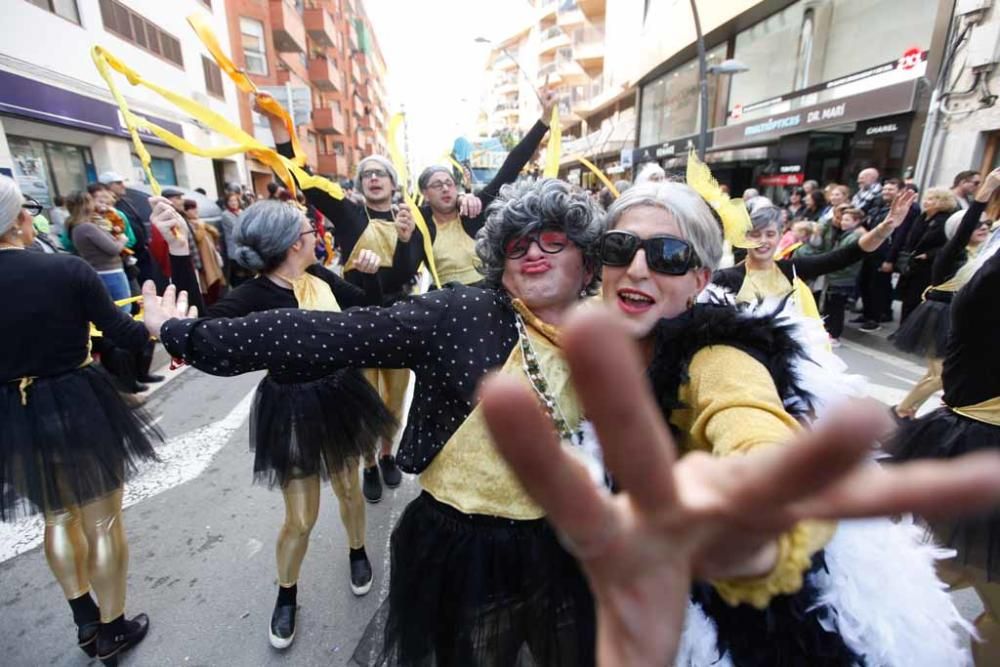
x=525 y=206
x=380 y=161
x=698 y=221
x=764 y=215
x=648 y=171
x=11 y=201
x=264 y=233
x=425 y=176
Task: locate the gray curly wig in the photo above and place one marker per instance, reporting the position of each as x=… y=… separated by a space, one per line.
x=525 y=206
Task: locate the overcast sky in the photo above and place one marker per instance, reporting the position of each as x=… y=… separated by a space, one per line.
x=435 y=68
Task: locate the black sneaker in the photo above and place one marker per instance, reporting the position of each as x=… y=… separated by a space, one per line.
x=371 y=485
x=858 y=320
x=115 y=638
x=282 y=630
x=86 y=638
x=150 y=378
x=390 y=471
x=870 y=326
x=361 y=576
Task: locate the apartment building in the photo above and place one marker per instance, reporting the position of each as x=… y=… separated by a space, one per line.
x=322 y=60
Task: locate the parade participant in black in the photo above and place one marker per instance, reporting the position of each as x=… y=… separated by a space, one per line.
x=379 y=226
x=722 y=379
x=968 y=422
x=925 y=332
x=68 y=441
x=916 y=254
x=304 y=426
x=474 y=579
x=453 y=222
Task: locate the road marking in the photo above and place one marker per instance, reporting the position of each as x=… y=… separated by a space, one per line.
x=183 y=458
x=890 y=359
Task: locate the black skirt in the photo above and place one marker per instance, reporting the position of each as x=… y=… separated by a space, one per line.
x=479 y=590
x=298 y=429
x=67 y=440
x=945 y=434
x=925 y=331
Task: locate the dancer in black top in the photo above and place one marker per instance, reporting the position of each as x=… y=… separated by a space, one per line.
x=925 y=332
x=453 y=224
x=68 y=441
x=304 y=426
x=924 y=239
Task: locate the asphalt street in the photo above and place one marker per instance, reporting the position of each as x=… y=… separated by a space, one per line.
x=202 y=539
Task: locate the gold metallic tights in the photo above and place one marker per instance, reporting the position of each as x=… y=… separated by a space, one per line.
x=85 y=547
x=391 y=385
x=301 y=510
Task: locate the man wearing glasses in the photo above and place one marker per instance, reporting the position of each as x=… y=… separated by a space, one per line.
x=454 y=221
x=964 y=187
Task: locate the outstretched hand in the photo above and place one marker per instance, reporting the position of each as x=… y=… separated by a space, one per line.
x=698 y=517
x=159 y=309
x=170 y=224
x=900 y=207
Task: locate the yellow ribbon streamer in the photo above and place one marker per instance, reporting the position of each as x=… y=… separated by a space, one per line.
x=732 y=212
x=199 y=22
x=600 y=174
x=554 y=150
x=96 y=333
x=284 y=167
x=399 y=162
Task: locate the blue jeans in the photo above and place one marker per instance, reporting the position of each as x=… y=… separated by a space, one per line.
x=117 y=283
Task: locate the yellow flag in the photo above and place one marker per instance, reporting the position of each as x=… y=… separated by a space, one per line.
x=600 y=174
x=554 y=149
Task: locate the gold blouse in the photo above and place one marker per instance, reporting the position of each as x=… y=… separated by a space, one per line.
x=455 y=253
x=380 y=236
x=470 y=474
x=762 y=284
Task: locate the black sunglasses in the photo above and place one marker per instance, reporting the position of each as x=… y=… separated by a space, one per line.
x=32 y=206
x=664 y=254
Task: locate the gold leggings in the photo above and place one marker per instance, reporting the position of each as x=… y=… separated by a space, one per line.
x=391 y=384
x=958 y=576
x=924 y=388
x=301 y=510
x=85 y=547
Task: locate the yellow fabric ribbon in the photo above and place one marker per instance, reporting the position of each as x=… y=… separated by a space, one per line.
x=554 y=149
x=600 y=175
x=96 y=333
x=399 y=162
x=733 y=212
x=199 y=22
x=284 y=167
x=312 y=293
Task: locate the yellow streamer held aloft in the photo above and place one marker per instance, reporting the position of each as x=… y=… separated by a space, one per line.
x=399 y=162
x=732 y=212
x=199 y=22
x=600 y=175
x=96 y=333
x=284 y=167
x=553 y=151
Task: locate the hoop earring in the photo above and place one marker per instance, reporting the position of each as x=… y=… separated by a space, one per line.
x=690 y=303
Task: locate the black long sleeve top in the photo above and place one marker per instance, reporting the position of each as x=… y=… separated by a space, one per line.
x=45 y=328
x=972 y=359
x=807 y=267
x=901 y=234
x=508 y=172
x=349 y=221
x=950 y=258
x=449 y=338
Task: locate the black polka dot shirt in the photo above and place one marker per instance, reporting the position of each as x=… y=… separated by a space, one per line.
x=450 y=338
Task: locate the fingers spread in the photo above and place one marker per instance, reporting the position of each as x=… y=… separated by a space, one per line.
x=935 y=489
x=608 y=378
x=528 y=441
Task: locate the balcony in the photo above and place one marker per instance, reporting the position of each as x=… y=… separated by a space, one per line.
x=504 y=62
x=570 y=16
x=328 y=120
x=570 y=73
x=324 y=75
x=549 y=72
x=592 y=9
x=286 y=23
x=588 y=48
x=320 y=27
x=331 y=164
x=355 y=71
x=552 y=39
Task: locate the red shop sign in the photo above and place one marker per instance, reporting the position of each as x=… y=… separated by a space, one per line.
x=781 y=179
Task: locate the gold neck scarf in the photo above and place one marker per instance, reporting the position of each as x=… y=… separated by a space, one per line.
x=549 y=331
x=312 y=293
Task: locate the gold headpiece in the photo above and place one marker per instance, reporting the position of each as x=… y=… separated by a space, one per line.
x=733 y=212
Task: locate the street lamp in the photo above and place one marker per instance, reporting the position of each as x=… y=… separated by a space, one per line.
x=483 y=40
x=728 y=66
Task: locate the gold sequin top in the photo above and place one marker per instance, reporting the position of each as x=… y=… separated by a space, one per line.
x=455 y=253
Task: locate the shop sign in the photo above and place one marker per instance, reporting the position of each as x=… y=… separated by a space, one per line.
x=882 y=102
x=790 y=168
x=21 y=96
x=781 y=180
x=626 y=158
x=679 y=147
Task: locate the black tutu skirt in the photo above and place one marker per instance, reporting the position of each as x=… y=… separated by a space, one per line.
x=925 y=331
x=944 y=434
x=298 y=429
x=793 y=630
x=74 y=439
x=479 y=590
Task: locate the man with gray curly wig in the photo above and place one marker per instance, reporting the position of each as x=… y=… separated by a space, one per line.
x=478 y=576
